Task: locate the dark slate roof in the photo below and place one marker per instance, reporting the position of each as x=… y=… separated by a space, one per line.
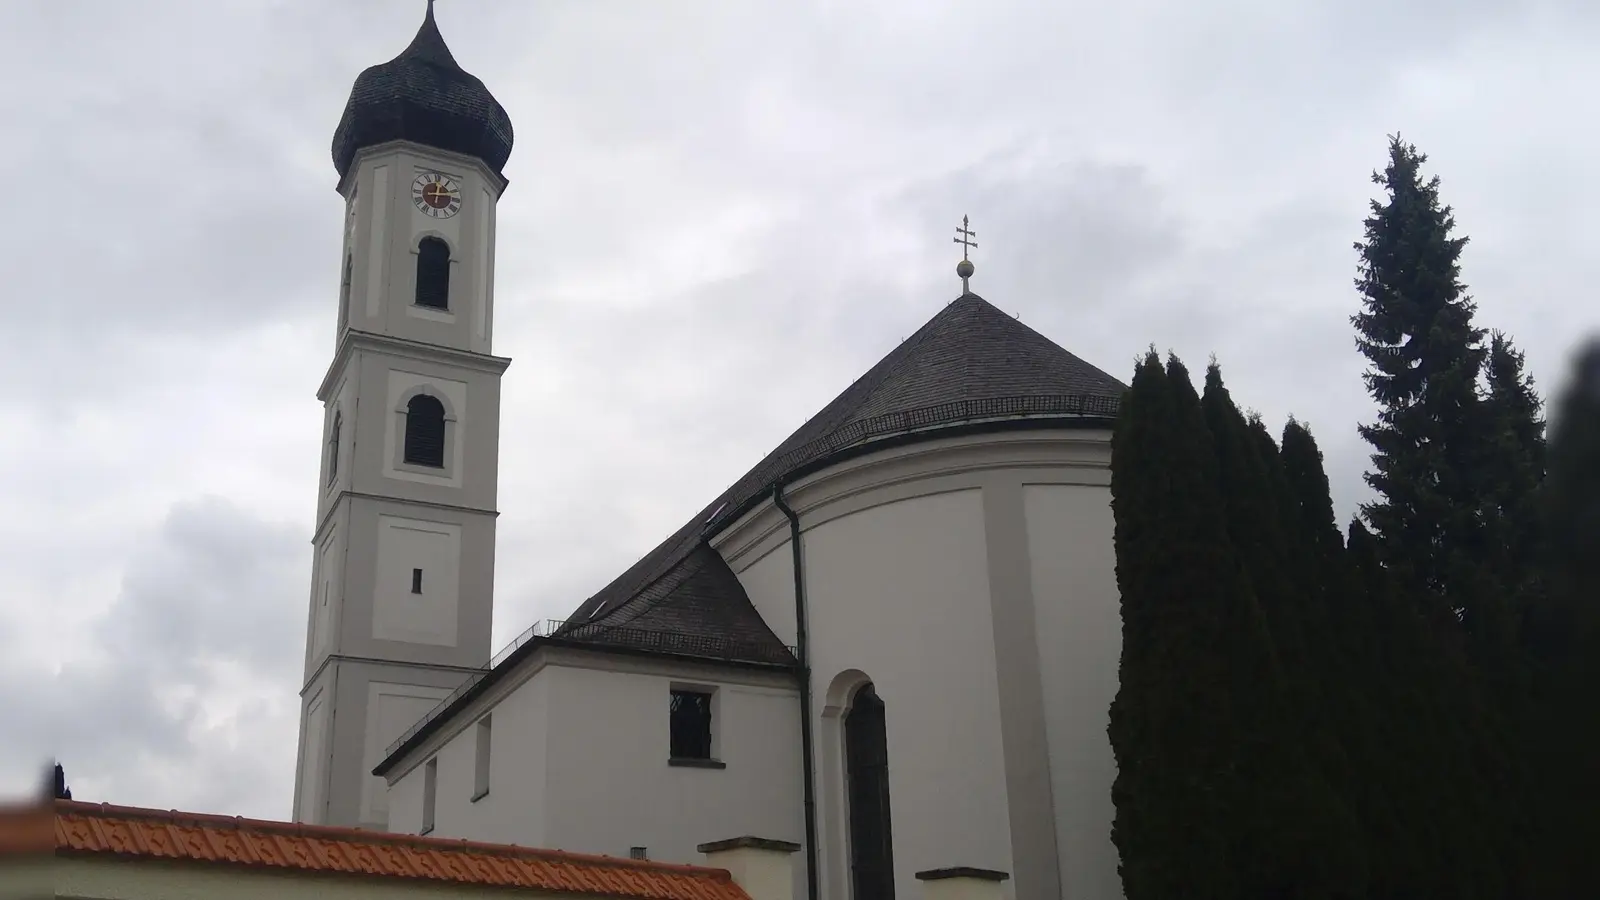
x=970 y=363
x=423 y=95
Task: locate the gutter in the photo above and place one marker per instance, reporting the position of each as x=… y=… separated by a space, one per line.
x=803 y=652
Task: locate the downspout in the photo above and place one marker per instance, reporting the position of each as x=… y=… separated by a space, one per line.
x=803 y=651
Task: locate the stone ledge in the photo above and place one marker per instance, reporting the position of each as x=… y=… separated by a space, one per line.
x=690 y=762
x=750 y=843
x=963 y=872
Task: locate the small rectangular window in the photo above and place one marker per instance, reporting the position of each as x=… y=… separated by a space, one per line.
x=638 y=853
x=691 y=724
x=430 y=793
x=480 y=782
x=416 y=581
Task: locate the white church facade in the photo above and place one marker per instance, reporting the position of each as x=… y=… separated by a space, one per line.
x=891 y=646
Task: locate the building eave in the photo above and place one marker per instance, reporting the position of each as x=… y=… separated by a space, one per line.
x=486 y=679
x=730 y=518
x=496 y=180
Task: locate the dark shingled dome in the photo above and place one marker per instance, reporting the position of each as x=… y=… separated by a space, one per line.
x=422 y=95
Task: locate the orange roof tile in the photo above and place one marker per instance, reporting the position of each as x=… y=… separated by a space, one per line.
x=102 y=829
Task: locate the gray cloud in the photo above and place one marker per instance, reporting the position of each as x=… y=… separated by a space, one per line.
x=720 y=215
x=180 y=691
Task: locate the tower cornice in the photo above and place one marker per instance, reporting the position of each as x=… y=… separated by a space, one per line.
x=499 y=181
x=355 y=339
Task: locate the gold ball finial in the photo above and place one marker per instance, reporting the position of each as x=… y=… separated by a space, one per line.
x=964 y=268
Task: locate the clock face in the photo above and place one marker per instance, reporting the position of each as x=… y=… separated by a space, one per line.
x=436 y=196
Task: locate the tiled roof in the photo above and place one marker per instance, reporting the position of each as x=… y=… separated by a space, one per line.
x=99 y=829
x=971 y=362
x=423 y=95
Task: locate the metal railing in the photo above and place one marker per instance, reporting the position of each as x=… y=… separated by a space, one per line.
x=942 y=415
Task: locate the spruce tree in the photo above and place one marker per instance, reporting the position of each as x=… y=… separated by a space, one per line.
x=1416 y=331
x=1514 y=423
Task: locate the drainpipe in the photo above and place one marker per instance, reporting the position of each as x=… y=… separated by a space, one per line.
x=803 y=651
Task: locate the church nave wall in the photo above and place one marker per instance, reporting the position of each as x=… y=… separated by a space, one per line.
x=579 y=759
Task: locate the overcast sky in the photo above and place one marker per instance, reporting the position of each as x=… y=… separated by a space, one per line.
x=719 y=215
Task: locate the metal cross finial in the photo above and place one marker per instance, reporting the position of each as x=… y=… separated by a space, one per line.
x=964 y=237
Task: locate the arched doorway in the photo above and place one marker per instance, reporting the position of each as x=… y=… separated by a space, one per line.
x=866 y=754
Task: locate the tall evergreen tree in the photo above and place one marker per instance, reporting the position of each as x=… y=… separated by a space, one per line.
x=1514 y=423
x=1416 y=331
x=1511 y=469
x=1312 y=501
x=1298 y=838
x=1169 y=722
x=1564 y=639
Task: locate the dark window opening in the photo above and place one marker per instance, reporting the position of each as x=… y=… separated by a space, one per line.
x=638 y=853
x=433 y=273
x=333 y=447
x=691 y=725
x=416 y=581
x=425 y=431
x=866 y=749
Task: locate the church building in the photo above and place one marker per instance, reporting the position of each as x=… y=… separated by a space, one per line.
x=891 y=646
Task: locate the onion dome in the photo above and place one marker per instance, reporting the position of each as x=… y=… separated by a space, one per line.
x=423 y=95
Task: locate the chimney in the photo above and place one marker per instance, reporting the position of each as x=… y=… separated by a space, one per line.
x=962 y=883
x=762 y=867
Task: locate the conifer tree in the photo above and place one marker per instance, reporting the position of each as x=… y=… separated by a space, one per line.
x=1301 y=839
x=1312 y=502
x=1156 y=800
x=1513 y=415
x=1511 y=470
x=1416 y=331
x=1564 y=638
x=1172 y=726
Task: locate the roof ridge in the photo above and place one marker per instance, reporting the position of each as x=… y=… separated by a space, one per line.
x=98 y=812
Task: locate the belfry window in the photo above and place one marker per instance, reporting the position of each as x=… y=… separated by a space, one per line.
x=424 y=445
x=333 y=447
x=433 y=273
x=691 y=725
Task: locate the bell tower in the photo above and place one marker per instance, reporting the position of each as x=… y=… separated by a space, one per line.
x=402 y=584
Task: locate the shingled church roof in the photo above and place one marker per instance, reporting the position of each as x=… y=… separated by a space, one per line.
x=970 y=363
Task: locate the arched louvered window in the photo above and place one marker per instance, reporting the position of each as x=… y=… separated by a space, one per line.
x=333 y=447
x=433 y=273
x=425 y=431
